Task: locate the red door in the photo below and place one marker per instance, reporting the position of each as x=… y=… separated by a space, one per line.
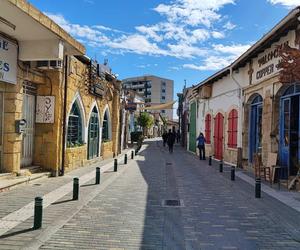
x=218 y=136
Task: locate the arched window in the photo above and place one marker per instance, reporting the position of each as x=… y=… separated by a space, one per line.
x=232 y=128
x=74 y=135
x=106 y=127
x=208 y=128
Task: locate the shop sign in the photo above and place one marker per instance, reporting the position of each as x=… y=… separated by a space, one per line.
x=8 y=61
x=45 y=109
x=268 y=63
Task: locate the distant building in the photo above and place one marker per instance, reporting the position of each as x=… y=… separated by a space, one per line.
x=156 y=90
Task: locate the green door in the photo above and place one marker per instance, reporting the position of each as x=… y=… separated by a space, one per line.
x=192 y=132
x=93 y=140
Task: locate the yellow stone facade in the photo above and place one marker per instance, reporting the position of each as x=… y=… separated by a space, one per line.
x=48 y=137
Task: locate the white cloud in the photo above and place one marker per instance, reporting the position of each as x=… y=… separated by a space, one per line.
x=193 y=12
x=186 y=51
x=137 y=44
x=286 y=3
x=175 y=38
x=229 y=25
x=151 y=32
x=217 y=34
x=236 y=49
x=211 y=63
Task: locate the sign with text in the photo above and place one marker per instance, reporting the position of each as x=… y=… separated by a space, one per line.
x=8 y=61
x=45 y=109
x=266 y=64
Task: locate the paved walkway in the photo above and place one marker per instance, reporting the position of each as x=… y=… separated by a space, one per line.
x=126 y=211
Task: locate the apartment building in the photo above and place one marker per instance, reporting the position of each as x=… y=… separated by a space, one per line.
x=156 y=90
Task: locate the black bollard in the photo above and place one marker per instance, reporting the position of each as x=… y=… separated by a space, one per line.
x=38 y=213
x=132 y=154
x=257 y=188
x=97 y=175
x=232 y=173
x=75 y=188
x=209 y=160
x=125 y=159
x=221 y=167
x=116 y=165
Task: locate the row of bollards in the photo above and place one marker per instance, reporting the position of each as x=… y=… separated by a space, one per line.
x=232 y=177
x=38 y=201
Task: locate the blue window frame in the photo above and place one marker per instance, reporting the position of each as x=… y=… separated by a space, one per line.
x=255 y=131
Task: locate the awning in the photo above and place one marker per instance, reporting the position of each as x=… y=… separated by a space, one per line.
x=168 y=105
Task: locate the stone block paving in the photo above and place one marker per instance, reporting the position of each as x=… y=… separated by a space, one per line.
x=128 y=214
x=217 y=213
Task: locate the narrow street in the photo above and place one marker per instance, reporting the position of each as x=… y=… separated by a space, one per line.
x=127 y=211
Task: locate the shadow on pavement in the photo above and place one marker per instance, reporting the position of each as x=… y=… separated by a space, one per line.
x=163 y=227
x=16 y=233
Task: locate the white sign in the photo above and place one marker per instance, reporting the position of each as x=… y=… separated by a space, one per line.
x=8 y=61
x=45 y=109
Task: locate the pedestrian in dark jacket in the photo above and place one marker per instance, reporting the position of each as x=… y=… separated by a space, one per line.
x=201 y=145
x=165 y=138
x=171 y=140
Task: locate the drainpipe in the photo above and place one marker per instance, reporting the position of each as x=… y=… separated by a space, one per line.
x=62 y=169
x=241 y=115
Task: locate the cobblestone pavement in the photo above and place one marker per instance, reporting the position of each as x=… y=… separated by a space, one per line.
x=127 y=211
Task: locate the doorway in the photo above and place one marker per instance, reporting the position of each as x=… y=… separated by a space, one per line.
x=192 y=128
x=255 y=131
x=289 y=131
x=93 y=139
x=28 y=113
x=218 y=136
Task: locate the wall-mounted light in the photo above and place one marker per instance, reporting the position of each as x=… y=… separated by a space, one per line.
x=8 y=23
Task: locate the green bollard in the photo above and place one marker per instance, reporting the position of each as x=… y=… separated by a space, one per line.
x=97 y=175
x=38 y=213
x=116 y=165
x=75 y=188
x=125 y=159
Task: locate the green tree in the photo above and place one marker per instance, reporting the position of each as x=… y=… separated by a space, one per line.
x=145 y=120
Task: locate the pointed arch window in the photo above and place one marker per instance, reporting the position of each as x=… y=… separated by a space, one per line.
x=74 y=135
x=105 y=127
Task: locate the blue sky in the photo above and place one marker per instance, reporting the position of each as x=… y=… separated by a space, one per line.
x=176 y=39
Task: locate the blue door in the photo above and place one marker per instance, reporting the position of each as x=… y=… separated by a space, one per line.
x=289 y=143
x=255 y=124
x=285 y=108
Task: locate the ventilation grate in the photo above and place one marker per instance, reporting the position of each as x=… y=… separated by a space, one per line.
x=172 y=203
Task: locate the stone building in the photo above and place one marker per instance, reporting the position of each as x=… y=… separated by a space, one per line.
x=245 y=109
x=54 y=112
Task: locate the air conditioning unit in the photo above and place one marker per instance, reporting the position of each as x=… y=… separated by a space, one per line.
x=47 y=65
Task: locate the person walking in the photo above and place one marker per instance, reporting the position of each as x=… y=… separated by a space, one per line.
x=171 y=140
x=201 y=145
x=165 y=138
